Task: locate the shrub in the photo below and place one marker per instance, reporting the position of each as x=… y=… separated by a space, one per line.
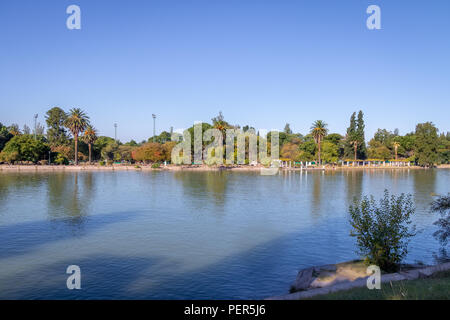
x=155 y=165
x=383 y=231
x=102 y=163
x=61 y=159
x=210 y=161
x=266 y=161
x=9 y=157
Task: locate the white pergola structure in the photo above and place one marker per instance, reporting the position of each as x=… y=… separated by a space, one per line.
x=376 y=163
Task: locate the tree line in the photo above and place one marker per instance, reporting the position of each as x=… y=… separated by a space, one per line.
x=70 y=137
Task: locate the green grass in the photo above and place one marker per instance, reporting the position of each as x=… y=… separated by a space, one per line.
x=436 y=287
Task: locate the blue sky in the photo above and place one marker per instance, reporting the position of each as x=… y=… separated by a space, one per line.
x=262 y=63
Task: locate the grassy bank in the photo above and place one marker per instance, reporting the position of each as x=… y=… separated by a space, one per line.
x=435 y=287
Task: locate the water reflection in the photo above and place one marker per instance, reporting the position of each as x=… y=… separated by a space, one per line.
x=316 y=193
x=16 y=183
x=424 y=182
x=70 y=195
x=211 y=184
x=353 y=184
x=142 y=229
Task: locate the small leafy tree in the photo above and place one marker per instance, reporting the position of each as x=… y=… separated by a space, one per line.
x=442 y=206
x=383 y=230
x=24 y=148
x=149 y=152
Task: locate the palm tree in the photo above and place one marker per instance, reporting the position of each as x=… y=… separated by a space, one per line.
x=355 y=146
x=396 y=145
x=318 y=131
x=76 y=122
x=90 y=136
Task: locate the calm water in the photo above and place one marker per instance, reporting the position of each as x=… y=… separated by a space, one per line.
x=187 y=235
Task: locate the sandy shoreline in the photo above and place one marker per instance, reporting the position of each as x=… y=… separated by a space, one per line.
x=242 y=168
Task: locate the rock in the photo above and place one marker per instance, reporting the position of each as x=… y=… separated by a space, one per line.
x=327 y=267
x=304 y=279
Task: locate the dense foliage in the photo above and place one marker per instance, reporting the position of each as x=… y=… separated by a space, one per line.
x=71 y=137
x=56 y=132
x=5 y=136
x=24 y=148
x=382 y=230
x=153 y=152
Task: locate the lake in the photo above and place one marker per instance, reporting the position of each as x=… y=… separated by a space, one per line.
x=188 y=235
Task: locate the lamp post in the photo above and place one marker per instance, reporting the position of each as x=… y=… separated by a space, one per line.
x=115 y=132
x=35 y=118
x=154 y=131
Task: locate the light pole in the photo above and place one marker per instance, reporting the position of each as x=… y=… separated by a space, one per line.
x=154 y=131
x=35 y=118
x=115 y=131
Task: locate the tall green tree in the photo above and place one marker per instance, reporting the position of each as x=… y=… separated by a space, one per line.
x=319 y=131
x=101 y=143
x=330 y=151
x=355 y=144
x=355 y=132
x=426 y=144
x=360 y=127
x=163 y=137
x=76 y=122
x=444 y=148
x=379 y=151
x=89 y=137
x=349 y=137
x=56 y=133
x=384 y=136
x=5 y=136
x=287 y=129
